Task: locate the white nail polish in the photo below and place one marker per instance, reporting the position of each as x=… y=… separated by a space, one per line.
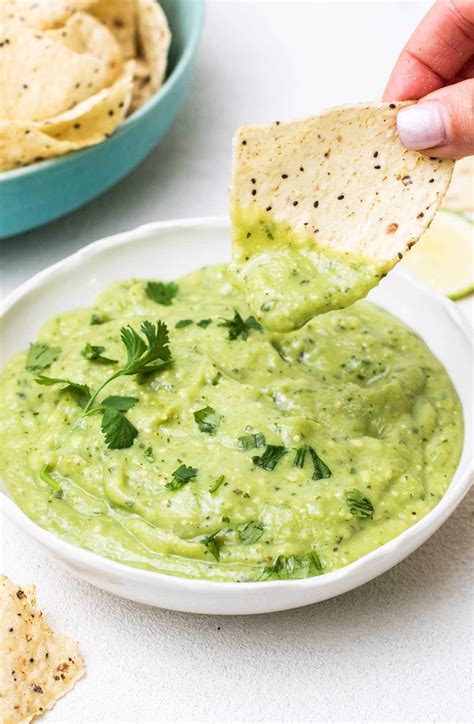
x=422 y=126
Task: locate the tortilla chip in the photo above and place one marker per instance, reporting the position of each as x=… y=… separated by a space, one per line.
x=154 y=40
x=142 y=89
x=460 y=195
x=37 y=667
x=85 y=58
x=347 y=195
x=120 y=16
x=42 y=14
x=87 y=124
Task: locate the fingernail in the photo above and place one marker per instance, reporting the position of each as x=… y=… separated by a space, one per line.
x=422 y=125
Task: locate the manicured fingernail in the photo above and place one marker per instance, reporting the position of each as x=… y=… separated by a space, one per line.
x=422 y=125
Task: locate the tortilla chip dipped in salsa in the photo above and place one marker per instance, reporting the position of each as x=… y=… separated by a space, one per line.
x=323 y=208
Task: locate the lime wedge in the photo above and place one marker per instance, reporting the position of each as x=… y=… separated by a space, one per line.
x=444 y=256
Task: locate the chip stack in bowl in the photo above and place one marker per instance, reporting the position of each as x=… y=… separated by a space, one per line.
x=73 y=70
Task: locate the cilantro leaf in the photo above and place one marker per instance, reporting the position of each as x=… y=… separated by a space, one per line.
x=161 y=292
x=119 y=432
x=293 y=567
x=248 y=442
x=149 y=455
x=240 y=328
x=97 y=319
x=217 y=483
x=251 y=532
x=122 y=404
x=40 y=356
x=321 y=470
x=181 y=476
x=146 y=356
x=81 y=392
x=212 y=545
x=94 y=354
x=358 y=504
x=207 y=420
x=204 y=323
x=270 y=458
x=183 y=323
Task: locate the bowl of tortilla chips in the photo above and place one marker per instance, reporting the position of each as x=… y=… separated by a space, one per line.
x=90 y=86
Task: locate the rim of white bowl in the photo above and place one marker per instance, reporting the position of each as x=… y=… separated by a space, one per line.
x=169 y=83
x=423 y=528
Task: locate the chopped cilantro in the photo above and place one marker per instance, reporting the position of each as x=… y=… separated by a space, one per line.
x=118 y=431
x=293 y=567
x=96 y=319
x=94 y=354
x=240 y=328
x=207 y=420
x=144 y=355
x=122 y=404
x=321 y=470
x=181 y=476
x=251 y=532
x=40 y=356
x=149 y=455
x=183 y=323
x=358 y=504
x=204 y=323
x=81 y=393
x=248 y=442
x=212 y=545
x=161 y=292
x=217 y=483
x=270 y=458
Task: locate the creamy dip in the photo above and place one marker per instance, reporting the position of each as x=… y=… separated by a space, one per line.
x=287 y=278
x=255 y=456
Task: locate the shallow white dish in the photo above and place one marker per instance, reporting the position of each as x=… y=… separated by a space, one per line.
x=167 y=250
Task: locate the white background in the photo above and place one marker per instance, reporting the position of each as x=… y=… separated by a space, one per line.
x=397 y=649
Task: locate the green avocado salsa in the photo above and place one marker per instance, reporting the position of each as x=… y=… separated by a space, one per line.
x=165 y=428
x=287 y=278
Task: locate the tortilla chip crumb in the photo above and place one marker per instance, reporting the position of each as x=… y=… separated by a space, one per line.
x=37 y=666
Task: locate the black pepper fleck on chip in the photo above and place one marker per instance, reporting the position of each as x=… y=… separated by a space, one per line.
x=284 y=175
x=254 y=191
x=295 y=203
x=316 y=204
x=376 y=153
x=340 y=197
x=392 y=105
x=377 y=166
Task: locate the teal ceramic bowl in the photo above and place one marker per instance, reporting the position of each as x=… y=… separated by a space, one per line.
x=44 y=191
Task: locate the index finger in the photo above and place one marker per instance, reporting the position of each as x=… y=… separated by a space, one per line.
x=438 y=49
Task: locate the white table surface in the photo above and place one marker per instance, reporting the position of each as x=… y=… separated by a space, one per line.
x=396 y=649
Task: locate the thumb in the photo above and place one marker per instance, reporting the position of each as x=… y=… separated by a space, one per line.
x=442 y=123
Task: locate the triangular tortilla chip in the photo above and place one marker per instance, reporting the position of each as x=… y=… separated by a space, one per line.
x=41 y=14
x=154 y=39
x=88 y=123
x=120 y=16
x=83 y=53
x=323 y=208
x=37 y=666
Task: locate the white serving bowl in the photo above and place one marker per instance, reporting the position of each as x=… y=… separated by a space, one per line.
x=167 y=250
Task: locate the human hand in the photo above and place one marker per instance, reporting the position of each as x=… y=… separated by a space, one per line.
x=436 y=67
